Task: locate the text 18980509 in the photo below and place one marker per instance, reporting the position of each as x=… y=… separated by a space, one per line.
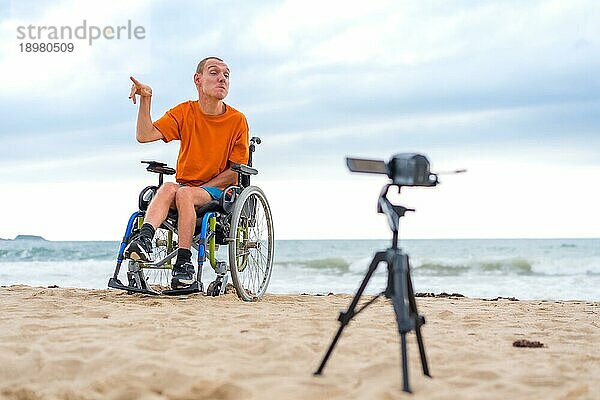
x=56 y=47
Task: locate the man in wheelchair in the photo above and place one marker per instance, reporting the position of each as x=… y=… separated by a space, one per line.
x=213 y=137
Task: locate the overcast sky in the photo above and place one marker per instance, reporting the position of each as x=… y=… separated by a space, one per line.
x=508 y=90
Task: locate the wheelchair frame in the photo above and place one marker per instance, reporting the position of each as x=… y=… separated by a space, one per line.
x=230 y=221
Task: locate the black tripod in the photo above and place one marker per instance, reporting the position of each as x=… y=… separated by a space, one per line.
x=399 y=289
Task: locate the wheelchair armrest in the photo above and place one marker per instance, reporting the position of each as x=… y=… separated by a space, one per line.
x=159 y=167
x=229 y=197
x=244 y=169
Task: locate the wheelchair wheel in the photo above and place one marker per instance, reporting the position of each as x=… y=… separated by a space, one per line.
x=251 y=244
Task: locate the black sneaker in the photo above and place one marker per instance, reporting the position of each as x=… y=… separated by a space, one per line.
x=139 y=249
x=184 y=275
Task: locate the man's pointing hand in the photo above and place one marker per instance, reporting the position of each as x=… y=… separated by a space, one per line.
x=139 y=88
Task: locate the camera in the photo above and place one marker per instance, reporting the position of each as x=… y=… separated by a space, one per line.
x=404 y=169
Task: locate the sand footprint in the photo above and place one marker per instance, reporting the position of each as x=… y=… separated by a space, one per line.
x=483 y=375
x=446 y=314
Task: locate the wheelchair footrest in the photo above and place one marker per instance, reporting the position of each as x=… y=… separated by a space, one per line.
x=195 y=287
x=117 y=284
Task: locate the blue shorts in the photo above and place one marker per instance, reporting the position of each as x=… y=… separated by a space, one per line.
x=215 y=193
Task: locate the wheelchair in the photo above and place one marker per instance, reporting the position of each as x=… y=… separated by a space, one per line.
x=241 y=220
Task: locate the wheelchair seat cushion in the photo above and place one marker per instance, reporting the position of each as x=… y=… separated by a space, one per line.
x=214 y=205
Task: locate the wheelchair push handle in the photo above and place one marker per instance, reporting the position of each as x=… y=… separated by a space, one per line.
x=154 y=163
x=253 y=142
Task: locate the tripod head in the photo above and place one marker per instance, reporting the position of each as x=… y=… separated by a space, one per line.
x=393 y=212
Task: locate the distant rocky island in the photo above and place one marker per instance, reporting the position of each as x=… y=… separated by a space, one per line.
x=28 y=237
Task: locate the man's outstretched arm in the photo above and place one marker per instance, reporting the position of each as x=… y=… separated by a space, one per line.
x=145 y=130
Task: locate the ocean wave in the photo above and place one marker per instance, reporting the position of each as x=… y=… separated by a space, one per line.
x=57 y=253
x=342 y=267
x=334 y=263
x=516 y=266
x=439 y=269
x=519 y=266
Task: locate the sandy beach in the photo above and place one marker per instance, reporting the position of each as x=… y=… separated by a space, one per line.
x=61 y=343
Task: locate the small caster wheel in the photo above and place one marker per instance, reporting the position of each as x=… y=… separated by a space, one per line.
x=214 y=289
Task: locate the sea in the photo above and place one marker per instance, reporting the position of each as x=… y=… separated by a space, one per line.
x=551 y=269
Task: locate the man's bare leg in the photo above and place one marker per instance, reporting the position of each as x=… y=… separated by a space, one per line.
x=186 y=199
x=140 y=249
x=159 y=206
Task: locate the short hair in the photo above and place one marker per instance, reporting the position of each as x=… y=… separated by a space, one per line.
x=201 y=64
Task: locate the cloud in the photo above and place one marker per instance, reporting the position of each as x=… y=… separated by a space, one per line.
x=468 y=83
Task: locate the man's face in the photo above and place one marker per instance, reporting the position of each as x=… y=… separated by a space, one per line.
x=214 y=80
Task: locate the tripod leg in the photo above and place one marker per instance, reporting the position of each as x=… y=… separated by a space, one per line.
x=405 y=386
x=397 y=291
x=345 y=317
x=319 y=371
x=419 y=321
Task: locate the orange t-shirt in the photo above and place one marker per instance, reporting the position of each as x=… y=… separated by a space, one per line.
x=208 y=142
